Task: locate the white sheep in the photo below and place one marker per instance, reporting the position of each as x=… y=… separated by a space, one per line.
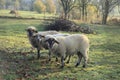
x=67 y=46
x=31 y=31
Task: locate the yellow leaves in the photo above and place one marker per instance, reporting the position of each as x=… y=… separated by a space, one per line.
x=92 y=12
x=91 y=9
x=39 y=6
x=50 y=6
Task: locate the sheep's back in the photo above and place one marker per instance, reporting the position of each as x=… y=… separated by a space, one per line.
x=47 y=32
x=76 y=42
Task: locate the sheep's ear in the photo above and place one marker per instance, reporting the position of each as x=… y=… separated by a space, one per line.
x=42 y=36
x=36 y=31
x=56 y=41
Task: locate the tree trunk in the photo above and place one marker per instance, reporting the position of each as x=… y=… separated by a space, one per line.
x=80 y=10
x=65 y=15
x=83 y=11
x=105 y=12
x=104 y=18
x=80 y=14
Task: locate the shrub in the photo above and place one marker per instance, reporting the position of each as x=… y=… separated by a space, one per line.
x=39 y=6
x=114 y=21
x=67 y=25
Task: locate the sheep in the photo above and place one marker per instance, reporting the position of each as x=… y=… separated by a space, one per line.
x=41 y=39
x=31 y=31
x=67 y=46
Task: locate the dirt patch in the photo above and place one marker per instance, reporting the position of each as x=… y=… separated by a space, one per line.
x=22 y=67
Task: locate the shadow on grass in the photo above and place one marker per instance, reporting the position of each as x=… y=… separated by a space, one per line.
x=28 y=67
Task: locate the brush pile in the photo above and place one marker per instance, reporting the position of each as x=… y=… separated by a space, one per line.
x=69 y=26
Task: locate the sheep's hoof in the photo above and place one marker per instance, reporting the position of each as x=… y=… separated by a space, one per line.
x=61 y=67
x=84 y=66
x=56 y=60
x=77 y=65
x=49 y=60
x=38 y=58
x=67 y=62
x=64 y=59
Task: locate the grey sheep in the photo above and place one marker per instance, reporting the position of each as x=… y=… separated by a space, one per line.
x=31 y=31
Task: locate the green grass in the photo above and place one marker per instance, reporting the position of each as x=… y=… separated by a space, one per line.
x=20 y=61
x=27 y=14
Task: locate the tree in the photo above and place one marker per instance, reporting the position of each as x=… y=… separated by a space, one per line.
x=119 y=7
x=67 y=5
x=92 y=13
x=39 y=6
x=107 y=7
x=16 y=5
x=2 y=4
x=82 y=5
x=31 y=5
x=50 y=6
x=97 y=4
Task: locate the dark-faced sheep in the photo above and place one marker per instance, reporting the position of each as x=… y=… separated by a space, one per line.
x=69 y=45
x=31 y=31
x=41 y=40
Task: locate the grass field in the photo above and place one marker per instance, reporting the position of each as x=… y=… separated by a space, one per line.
x=27 y=14
x=18 y=62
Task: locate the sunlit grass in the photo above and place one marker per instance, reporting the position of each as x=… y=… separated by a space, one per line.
x=27 y=14
x=104 y=55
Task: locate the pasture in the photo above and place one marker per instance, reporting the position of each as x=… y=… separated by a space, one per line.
x=26 y=14
x=18 y=61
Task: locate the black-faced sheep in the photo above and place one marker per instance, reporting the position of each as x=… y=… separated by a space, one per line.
x=41 y=39
x=31 y=31
x=67 y=46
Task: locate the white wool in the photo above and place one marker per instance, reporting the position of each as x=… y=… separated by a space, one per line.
x=70 y=45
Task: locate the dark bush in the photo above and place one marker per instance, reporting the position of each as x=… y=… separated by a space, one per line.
x=13 y=12
x=60 y=25
x=67 y=25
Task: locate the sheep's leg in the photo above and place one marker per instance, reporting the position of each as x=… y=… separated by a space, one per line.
x=79 y=59
x=49 y=56
x=65 y=57
x=62 y=62
x=68 y=59
x=85 y=59
x=56 y=59
x=38 y=55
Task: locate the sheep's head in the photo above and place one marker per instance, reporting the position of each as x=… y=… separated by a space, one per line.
x=51 y=42
x=38 y=37
x=31 y=30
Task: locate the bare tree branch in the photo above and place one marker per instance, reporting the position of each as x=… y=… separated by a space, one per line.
x=67 y=5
